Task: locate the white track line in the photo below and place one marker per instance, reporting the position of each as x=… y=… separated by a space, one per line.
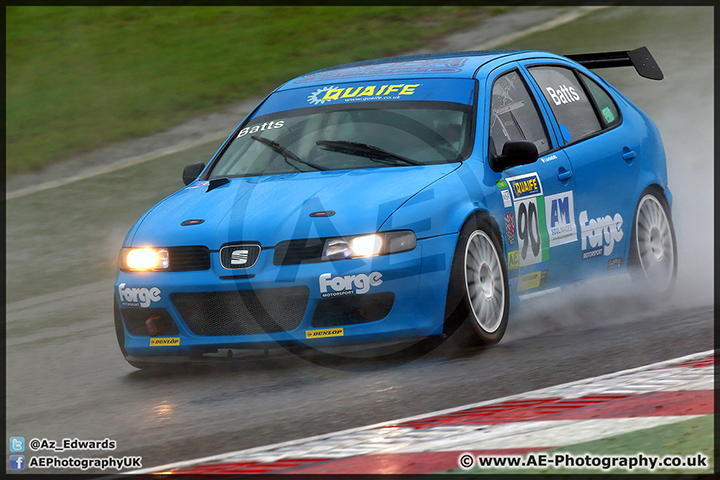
x=118 y=165
x=215 y=136
x=223 y=456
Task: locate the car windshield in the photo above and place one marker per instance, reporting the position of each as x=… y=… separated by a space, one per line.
x=348 y=134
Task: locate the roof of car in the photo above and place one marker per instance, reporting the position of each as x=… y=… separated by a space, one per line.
x=453 y=64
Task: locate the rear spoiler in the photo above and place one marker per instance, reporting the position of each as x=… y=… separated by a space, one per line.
x=640 y=58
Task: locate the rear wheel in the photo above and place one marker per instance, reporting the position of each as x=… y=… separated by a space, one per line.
x=479 y=283
x=653 y=255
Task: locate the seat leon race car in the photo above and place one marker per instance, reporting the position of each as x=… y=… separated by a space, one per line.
x=391 y=199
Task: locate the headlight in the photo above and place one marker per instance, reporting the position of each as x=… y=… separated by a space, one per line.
x=368 y=245
x=143 y=259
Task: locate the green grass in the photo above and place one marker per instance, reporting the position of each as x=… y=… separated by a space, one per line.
x=81 y=77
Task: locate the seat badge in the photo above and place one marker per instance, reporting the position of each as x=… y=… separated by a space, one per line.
x=239 y=257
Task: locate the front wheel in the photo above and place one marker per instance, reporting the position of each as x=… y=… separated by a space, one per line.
x=653 y=254
x=479 y=282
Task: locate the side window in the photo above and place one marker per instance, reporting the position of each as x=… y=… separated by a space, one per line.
x=567 y=99
x=608 y=110
x=514 y=115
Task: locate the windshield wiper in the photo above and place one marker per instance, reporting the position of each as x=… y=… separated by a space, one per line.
x=363 y=150
x=285 y=152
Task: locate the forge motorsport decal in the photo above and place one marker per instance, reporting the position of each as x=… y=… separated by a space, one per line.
x=599 y=235
x=531 y=227
x=348 y=285
x=138 y=297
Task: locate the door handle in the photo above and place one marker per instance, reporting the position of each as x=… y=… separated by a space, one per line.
x=565 y=175
x=628 y=154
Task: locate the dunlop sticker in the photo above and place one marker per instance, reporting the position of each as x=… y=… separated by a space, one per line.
x=164 y=342
x=328 y=332
x=532 y=280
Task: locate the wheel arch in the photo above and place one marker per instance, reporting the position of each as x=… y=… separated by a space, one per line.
x=632 y=255
x=485 y=214
x=650 y=185
x=454 y=297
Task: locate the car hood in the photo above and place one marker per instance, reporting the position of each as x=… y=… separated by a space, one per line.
x=270 y=209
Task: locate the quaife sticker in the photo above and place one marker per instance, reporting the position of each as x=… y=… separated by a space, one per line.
x=138 y=297
x=348 y=285
x=328 y=332
x=361 y=93
x=524 y=186
x=164 y=342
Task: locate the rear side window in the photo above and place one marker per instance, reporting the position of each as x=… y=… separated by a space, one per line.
x=514 y=115
x=608 y=110
x=568 y=101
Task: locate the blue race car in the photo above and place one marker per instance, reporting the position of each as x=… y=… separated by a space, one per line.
x=397 y=198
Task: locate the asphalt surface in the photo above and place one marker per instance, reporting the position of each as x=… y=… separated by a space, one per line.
x=67 y=379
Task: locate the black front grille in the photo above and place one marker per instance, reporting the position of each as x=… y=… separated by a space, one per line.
x=369 y=307
x=295 y=252
x=135 y=319
x=186 y=259
x=243 y=312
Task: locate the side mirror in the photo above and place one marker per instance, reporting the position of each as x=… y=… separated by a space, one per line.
x=514 y=153
x=191 y=172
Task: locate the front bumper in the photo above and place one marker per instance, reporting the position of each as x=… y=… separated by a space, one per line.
x=287 y=304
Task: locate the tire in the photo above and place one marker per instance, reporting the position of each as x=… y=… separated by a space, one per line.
x=478 y=294
x=653 y=247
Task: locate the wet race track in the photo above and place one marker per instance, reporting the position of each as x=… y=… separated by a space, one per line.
x=67 y=379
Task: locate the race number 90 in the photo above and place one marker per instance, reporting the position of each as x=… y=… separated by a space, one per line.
x=528 y=232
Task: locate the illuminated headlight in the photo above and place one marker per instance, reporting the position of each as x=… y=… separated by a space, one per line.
x=143 y=259
x=369 y=245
